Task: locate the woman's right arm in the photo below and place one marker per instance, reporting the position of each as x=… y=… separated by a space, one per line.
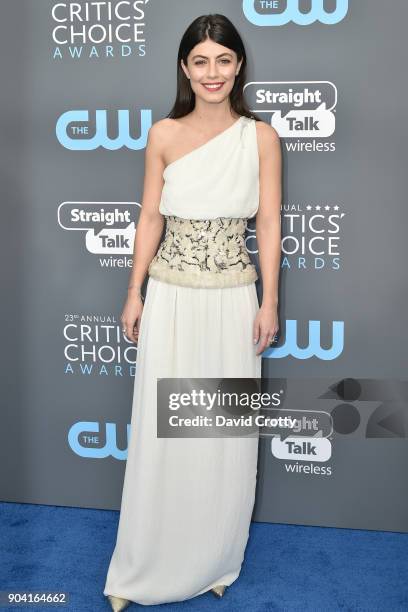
x=148 y=232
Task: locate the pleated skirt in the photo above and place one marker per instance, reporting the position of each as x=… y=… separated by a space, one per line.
x=187 y=502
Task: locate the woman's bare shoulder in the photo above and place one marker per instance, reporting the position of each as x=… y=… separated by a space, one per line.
x=161 y=134
x=266 y=132
x=267 y=136
x=163 y=128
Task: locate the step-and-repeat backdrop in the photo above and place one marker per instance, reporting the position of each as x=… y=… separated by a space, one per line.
x=82 y=82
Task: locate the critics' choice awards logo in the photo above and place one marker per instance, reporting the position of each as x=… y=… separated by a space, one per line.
x=281 y=12
x=95 y=345
x=78 y=131
x=311 y=237
x=108 y=227
x=98 y=29
x=300 y=109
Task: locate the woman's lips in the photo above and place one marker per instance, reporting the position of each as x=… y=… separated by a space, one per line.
x=212 y=86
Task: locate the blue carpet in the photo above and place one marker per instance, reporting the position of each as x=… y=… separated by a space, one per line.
x=286 y=567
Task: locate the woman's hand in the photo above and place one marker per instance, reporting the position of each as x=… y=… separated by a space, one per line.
x=131 y=317
x=265 y=326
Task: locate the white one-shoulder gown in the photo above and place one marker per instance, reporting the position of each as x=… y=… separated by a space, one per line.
x=187 y=502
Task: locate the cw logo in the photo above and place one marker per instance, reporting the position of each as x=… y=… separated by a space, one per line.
x=84 y=142
x=293 y=13
x=82 y=432
x=314 y=349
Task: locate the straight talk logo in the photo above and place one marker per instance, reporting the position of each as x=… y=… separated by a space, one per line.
x=304 y=452
x=108 y=228
x=301 y=111
x=308 y=444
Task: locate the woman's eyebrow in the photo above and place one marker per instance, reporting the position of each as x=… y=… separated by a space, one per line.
x=221 y=54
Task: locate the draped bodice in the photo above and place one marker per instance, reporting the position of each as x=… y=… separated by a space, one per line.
x=217 y=179
x=207 y=197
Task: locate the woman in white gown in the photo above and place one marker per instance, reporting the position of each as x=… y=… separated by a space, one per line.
x=187 y=502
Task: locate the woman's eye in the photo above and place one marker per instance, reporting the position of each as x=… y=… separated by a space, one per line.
x=224 y=61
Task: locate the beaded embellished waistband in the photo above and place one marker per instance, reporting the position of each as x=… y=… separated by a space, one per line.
x=204 y=253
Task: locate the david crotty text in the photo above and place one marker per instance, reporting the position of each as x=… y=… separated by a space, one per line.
x=258 y=420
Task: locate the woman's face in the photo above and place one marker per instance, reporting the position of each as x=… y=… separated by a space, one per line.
x=211 y=69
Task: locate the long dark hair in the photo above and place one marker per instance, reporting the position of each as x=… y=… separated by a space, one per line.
x=222 y=31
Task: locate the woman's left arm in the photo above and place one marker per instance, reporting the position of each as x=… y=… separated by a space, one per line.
x=268 y=232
